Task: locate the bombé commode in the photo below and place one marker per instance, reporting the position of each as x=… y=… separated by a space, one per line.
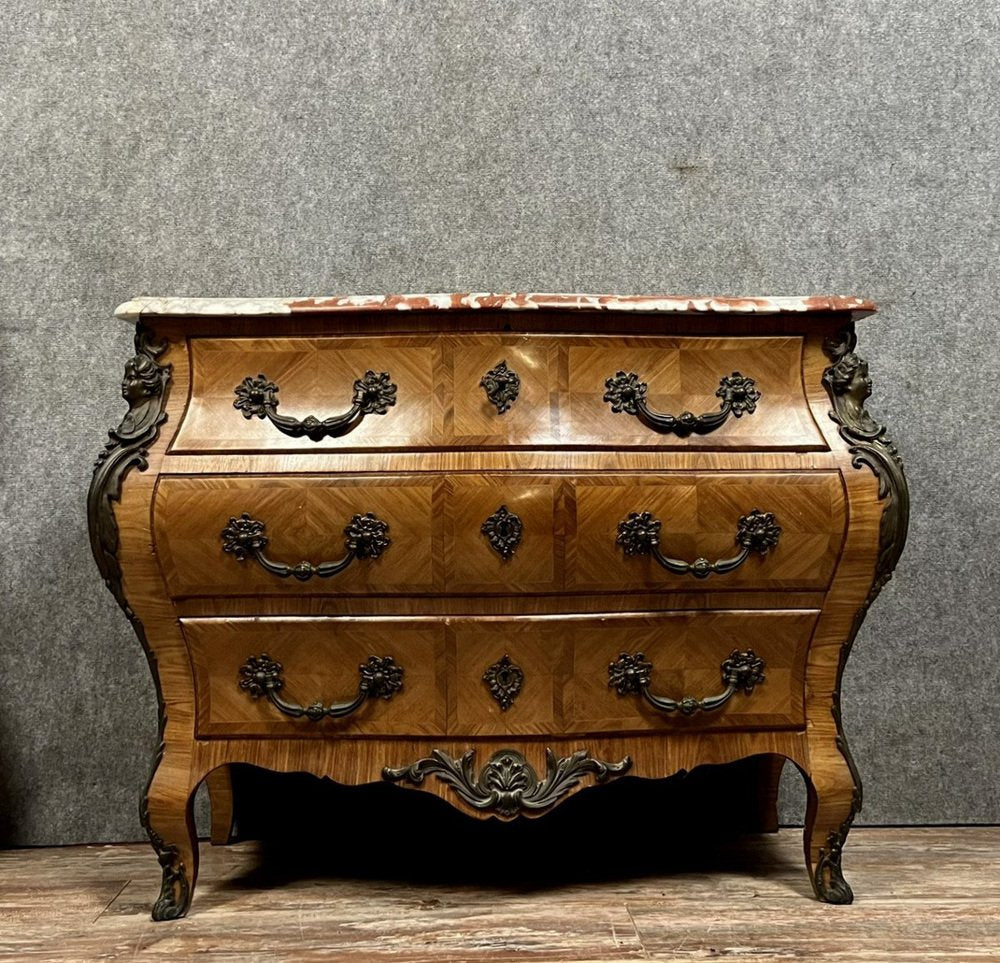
x=501 y=547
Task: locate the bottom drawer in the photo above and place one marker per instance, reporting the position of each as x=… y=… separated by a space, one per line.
x=494 y=676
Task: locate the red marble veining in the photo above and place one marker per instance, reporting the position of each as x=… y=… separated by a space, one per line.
x=505 y=301
x=519 y=300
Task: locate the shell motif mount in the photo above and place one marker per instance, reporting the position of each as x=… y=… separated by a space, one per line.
x=508 y=785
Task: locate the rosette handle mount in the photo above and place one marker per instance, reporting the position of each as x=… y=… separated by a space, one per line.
x=366 y=536
x=626 y=392
x=374 y=394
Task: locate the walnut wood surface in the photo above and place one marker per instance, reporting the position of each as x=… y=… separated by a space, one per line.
x=798 y=458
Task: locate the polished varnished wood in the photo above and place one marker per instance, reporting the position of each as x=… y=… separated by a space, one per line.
x=563 y=606
x=315 y=377
x=320 y=662
x=699 y=515
x=305 y=519
x=683 y=374
x=440 y=401
x=932 y=894
x=435 y=523
x=564 y=661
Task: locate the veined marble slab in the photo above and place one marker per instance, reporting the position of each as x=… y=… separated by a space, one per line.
x=510 y=301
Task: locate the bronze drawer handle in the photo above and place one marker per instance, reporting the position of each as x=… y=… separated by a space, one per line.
x=366 y=537
x=625 y=392
x=374 y=394
x=380 y=678
x=630 y=674
x=639 y=534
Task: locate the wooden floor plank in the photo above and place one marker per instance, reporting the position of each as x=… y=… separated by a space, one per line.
x=923 y=894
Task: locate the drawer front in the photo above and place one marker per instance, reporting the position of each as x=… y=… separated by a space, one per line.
x=686 y=653
x=319 y=664
x=492 y=677
x=493 y=390
x=698 y=516
x=689 y=375
x=554 y=673
x=307 y=377
x=499 y=534
x=302 y=519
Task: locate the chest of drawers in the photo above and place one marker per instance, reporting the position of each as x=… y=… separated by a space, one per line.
x=498 y=547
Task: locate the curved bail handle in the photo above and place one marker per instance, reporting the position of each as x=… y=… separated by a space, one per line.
x=380 y=678
x=366 y=536
x=756 y=532
x=626 y=392
x=630 y=674
x=374 y=394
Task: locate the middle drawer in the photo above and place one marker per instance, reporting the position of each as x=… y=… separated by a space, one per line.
x=500 y=534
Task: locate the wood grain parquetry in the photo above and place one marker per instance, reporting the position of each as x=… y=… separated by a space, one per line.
x=444 y=604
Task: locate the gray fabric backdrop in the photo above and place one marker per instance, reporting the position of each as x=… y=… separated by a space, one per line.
x=303 y=147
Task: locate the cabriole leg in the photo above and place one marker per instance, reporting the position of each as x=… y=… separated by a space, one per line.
x=834 y=799
x=167 y=813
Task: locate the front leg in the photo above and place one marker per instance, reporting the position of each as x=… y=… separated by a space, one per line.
x=834 y=793
x=167 y=814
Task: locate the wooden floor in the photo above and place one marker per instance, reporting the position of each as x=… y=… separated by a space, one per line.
x=922 y=894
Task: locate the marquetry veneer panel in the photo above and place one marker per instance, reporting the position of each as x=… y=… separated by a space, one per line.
x=564 y=662
x=320 y=660
x=440 y=402
x=500 y=547
x=569 y=523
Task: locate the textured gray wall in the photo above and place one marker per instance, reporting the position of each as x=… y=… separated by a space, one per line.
x=305 y=147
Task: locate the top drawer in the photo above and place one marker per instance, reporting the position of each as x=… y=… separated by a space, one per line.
x=496 y=391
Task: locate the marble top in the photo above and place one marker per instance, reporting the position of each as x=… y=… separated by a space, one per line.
x=506 y=301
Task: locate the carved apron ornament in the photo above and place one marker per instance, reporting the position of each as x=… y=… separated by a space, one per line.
x=508 y=785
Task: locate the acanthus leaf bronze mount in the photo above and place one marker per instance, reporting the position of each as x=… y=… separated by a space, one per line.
x=508 y=784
